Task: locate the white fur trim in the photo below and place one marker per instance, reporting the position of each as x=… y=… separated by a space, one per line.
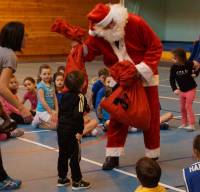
x=145 y=71
x=91 y=32
x=154 y=81
x=114 y=151
x=152 y=153
x=106 y=20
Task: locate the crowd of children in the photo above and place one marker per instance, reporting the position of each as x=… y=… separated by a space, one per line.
x=68 y=114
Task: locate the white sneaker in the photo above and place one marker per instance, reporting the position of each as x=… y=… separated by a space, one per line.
x=132 y=130
x=95 y=132
x=189 y=128
x=182 y=126
x=36 y=121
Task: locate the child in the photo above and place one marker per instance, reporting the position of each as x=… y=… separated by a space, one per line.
x=102 y=74
x=148 y=173
x=9 y=109
x=181 y=73
x=8 y=127
x=47 y=106
x=191 y=174
x=59 y=86
x=31 y=94
x=90 y=126
x=70 y=129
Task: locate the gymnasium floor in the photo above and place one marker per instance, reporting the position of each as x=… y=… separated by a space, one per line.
x=33 y=157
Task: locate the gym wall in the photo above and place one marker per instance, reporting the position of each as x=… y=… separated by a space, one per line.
x=38 y=16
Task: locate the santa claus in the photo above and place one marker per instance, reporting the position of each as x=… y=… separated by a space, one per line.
x=119 y=36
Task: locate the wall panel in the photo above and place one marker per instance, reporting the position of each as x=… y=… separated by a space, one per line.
x=38 y=16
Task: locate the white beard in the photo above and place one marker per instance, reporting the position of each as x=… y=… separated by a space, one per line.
x=118 y=31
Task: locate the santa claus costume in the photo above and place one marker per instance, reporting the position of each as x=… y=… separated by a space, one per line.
x=119 y=36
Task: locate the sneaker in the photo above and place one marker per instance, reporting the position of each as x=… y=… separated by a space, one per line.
x=94 y=132
x=16 y=133
x=63 y=182
x=132 y=130
x=80 y=185
x=164 y=126
x=189 y=128
x=36 y=121
x=182 y=126
x=10 y=184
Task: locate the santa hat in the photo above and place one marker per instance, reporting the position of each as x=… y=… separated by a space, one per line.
x=69 y=31
x=101 y=16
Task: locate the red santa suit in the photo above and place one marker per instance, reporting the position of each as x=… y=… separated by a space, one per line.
x=142 y=47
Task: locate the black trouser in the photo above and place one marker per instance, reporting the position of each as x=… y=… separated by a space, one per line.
x=17 y=118
x=68 y=150
x=3 y=173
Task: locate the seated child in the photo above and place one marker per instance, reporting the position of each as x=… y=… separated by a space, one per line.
x=191 y=174
x=148 y=173
x=31 y=93
x=102 y=74
x=164 y=118
x=10 y=110
x=90 y=126
x=8 y=127
x=59 y=86
x=47 y=105
x=60 y=69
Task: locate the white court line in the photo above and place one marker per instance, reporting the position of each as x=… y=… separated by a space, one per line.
x=179 y=117
x=97 y=163
x=173 y=98
x=161 y=85
x=40 y=131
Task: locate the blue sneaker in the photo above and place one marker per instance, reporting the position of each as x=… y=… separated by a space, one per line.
x=10 y=184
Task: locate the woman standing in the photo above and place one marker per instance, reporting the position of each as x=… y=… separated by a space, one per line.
x=12 y=38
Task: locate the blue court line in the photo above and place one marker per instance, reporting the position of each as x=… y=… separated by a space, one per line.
x=97 y=163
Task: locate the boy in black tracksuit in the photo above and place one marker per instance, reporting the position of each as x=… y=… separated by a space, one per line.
x=70 y=129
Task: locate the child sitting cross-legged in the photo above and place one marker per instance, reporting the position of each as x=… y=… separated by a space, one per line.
x=148 y=173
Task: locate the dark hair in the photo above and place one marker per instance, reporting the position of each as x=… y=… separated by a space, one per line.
x=61 y=68
x=103 y=71
x=196 y=143
x=180 y=53
x=74 y=81
x=44 y=66
x=12 y=35
x=29 y=79
x=108 y=91
x=148 y=172
x=56 y=74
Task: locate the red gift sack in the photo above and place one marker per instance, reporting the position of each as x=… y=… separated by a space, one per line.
x=75 y=63
x=75 y=58
x=129 y=106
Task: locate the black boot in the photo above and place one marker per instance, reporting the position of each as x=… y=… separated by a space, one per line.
x=110 y=163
